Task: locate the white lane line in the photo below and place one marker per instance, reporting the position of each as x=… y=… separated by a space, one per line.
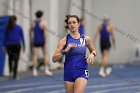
x=42 y=87
x=107 y=85
x=22 y=85
x=93 y=86
x=116 y=89
x=38 y=83
x=34 y=88
x=124 y=80
x=57 y=91
x=59 y=86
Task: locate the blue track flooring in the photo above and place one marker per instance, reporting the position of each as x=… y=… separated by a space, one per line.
x=124 y=79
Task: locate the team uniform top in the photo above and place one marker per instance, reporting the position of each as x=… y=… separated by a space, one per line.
x=104 y=38
x=81 y=29
x=75 y=58
x=14 y=36
x=38 y=33
x=105 y=35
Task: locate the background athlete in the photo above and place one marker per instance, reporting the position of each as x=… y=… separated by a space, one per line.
x=38 y=37
x=14 y=36
x=105 y=30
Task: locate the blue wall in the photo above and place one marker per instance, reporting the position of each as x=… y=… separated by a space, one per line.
x=3 y=25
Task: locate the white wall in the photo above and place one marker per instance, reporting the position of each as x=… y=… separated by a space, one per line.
x=64 y=9
x=20 y=8
x=124 y=15
x=51 y=9
x=3 y=9
x=43 y=5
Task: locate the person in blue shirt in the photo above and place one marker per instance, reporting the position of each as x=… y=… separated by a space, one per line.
x=82 y=26
x=12 y=44
x=74 y=46
x=105 y=30
x=38 y=37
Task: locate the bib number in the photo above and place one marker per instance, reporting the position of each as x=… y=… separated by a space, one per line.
x=86 y=73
